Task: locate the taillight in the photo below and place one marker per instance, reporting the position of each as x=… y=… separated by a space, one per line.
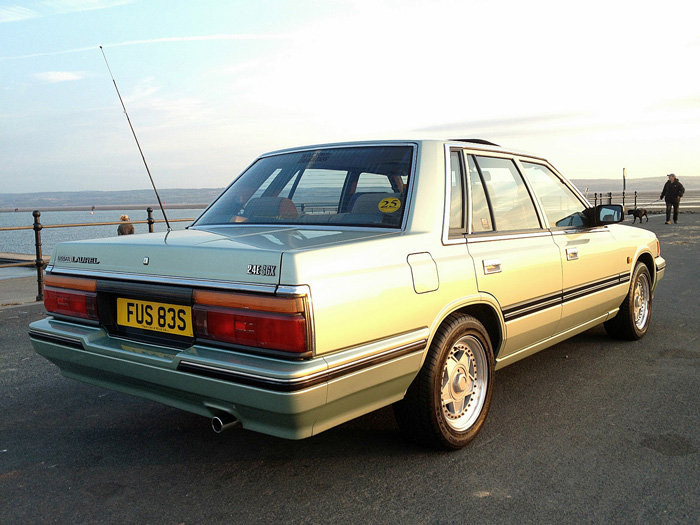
x=71 y=296
x=273 y=323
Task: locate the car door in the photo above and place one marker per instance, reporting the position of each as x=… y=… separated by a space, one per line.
x=516 y=259
x=593 y=269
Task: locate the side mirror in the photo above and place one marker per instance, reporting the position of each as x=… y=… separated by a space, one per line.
x=607 y=214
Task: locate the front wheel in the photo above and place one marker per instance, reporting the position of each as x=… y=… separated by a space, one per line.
x=632 y=321
x=446 y=405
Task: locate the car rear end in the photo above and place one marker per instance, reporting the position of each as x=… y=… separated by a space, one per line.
x=200 y=320
x=168 y=339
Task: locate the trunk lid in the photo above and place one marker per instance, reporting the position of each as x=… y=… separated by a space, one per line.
x=226 y=253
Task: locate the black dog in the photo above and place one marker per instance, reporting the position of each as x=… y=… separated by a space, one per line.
x=638 y=213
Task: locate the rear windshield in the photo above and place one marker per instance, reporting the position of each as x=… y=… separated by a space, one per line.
x=353 y=186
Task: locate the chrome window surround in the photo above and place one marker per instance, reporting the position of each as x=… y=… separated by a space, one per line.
x=486 y=153
x=561 y=178
x=409 y=190
x=447 y=197
x=517 y=157
x=505 y=236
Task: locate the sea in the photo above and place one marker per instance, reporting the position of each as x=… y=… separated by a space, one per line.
x=22 y=241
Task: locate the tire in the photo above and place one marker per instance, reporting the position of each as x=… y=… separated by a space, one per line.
x=447 y=403
x=632 y=321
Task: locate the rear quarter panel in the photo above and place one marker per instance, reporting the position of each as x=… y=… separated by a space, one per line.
x=364 y=291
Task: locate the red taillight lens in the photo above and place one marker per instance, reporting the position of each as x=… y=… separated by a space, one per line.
x=71 y=296
x=75 y=303
x=274 y=323
x=258 y=329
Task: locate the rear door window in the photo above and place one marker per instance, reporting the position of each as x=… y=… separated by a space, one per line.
x=511 y=203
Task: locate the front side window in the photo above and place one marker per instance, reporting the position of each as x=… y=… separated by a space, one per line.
x=353 y=186
x=561 y=205
x=511 y=204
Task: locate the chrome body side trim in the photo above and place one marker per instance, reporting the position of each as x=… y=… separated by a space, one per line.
x=57 y=339
x=491 y=237
x=539 y=304
x=299 y=383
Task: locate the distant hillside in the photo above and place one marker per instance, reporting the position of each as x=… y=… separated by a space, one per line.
x=639 y=185
x=180 y=197
x=173 y=197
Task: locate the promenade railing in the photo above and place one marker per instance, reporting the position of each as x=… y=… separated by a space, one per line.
x=39 y=261
x=611 y=198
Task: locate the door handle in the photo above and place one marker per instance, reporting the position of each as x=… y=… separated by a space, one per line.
x=491 y=266
x=571 y=254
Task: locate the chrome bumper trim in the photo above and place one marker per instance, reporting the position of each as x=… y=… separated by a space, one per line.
x=300 y=383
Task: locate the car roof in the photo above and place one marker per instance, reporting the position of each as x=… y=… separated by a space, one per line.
x=472 y=143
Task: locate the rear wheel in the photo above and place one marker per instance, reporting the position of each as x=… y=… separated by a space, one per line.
x=632 y=321
x=446 y=405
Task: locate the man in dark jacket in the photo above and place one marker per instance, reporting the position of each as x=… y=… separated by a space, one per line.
x=673 y=191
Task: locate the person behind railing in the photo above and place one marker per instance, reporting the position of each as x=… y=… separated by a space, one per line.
x=125 y=228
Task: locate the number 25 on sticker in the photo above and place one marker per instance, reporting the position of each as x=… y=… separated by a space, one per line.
x=389 y=205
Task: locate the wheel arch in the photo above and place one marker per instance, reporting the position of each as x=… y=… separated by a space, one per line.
x=648 y=260
x=484 y=312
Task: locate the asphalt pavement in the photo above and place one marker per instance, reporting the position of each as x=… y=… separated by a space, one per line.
x=591 y=430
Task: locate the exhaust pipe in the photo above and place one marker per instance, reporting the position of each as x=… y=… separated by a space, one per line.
x=224 y=422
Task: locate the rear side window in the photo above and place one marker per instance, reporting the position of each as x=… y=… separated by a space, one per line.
x=456 y=194
x=511 y=203
x=481 y=214
x=352 y=186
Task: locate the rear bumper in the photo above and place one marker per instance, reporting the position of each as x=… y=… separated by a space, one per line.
x=290 y=399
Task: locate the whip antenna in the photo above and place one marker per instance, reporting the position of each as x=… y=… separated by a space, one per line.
x=136 y=139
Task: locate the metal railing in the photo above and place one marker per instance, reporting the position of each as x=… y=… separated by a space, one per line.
x=608 y=197
x=39 y=262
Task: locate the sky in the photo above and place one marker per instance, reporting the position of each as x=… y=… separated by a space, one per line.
x=593 y=86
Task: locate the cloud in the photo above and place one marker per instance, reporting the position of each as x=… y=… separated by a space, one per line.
x=16 y=13
x=53 y=77
x=73 y=6
x=44 y=8
x=685 y=103
x=200 y=38
x=529 y=122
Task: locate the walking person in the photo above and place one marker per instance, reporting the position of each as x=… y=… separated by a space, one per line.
x=672 y=192
x=125 y=228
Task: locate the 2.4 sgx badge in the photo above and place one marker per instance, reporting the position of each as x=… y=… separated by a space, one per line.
x=266 y=270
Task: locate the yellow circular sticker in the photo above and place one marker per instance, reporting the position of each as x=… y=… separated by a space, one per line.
x=389 y=205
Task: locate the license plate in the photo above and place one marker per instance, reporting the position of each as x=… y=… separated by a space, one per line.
x=166 y=318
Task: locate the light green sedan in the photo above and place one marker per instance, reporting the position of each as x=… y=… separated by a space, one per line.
x=328 y=281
